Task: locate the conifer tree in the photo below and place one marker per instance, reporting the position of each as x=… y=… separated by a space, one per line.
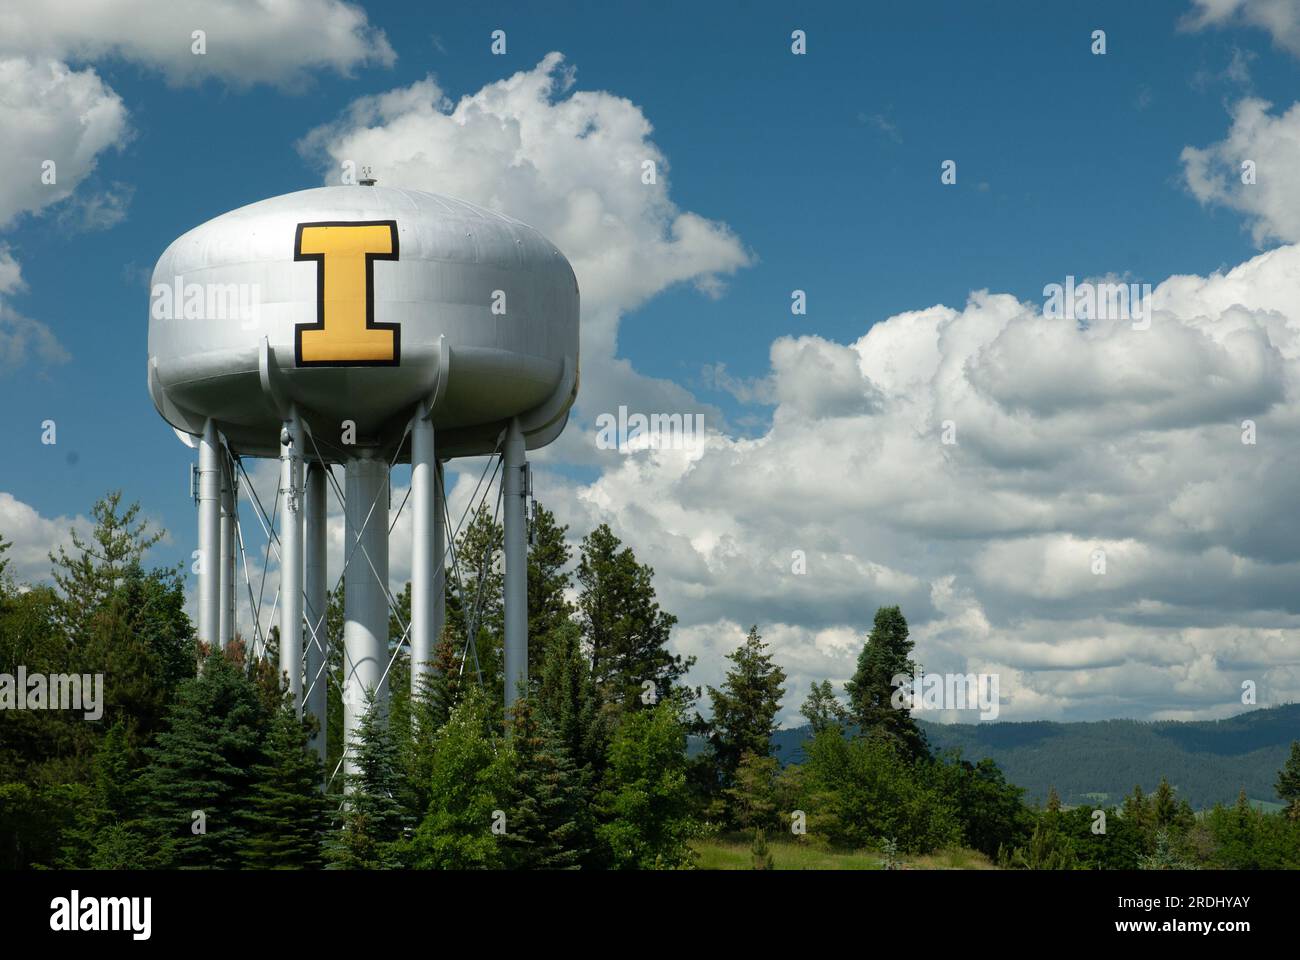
x=549 y=826
x=1288 y=783
x=625 y=631
x=1053 y=800
x=373 y=821
x=200 y=769
x=549 y=609
x=886 y=655
x=286 y=808
x=567 y=700
x=88 y=576
x=744 y=710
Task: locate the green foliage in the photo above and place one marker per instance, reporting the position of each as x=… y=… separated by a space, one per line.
x=286 y=809
x=203 y=761
x=861 y=790
x=645 y=803
x=89 y=576
x=470 y=780
x=752 y=797
x=625 y=631
x=745 y=708
x=822 y=709
x=760 y=852
x=1288 y=782
x=885 y=655
x=989 y=809
x=374 y=821
x=547 y=814
x=549 y=610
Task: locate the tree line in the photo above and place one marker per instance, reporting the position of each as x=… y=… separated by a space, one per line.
x=606 y=761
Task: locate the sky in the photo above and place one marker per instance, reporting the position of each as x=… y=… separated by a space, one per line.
x=824 y=487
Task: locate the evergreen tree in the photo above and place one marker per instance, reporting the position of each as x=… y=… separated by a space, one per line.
x=549 y=609
x=547 y=815
x=752 y=795
x=567 y=700
x=374 y=821
x=480 y=550
x=625 y=631
x=107 y=834
x=822 y=709
x=886 y=655
x=286 y=809
x=744 y=710
x=1053 y=800
x=200 y=770
x=1288 y=782
x=89 y=576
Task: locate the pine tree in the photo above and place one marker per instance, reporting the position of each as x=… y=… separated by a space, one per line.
x=480 y=552
x=1053 y=800
x=200 y=770
x=89 y=576
x=822 y=709
x=286 y=808
x=549 y=609
x=1288 y=783
x=374 y=821
x=745 y=709
x=567 y=700
x=885 y=656
x=625 y=631
x=752 y=795
x=547 y=813
x=108 y=834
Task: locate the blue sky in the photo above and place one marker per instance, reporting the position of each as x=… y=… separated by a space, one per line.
x=825 y=168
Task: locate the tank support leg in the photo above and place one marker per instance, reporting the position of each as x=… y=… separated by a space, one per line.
x=226 y=571
x=365 y=594
x=516 y=557
x=315 y=600
x=426 y=557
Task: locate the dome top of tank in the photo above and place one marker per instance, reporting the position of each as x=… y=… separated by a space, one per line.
x=467 y=309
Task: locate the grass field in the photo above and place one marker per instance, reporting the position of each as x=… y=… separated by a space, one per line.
x=729 y=854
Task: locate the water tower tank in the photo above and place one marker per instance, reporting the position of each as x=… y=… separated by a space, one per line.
x=351 y=301
x=362 y=326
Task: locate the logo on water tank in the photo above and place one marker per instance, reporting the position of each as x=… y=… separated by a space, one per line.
x=345 y=333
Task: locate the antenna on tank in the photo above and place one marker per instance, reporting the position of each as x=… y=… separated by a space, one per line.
x=366 y=179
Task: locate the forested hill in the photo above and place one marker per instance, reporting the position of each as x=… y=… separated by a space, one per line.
x=1207 y=761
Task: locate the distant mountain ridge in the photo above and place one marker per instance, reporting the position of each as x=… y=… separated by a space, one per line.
x=1207 y=761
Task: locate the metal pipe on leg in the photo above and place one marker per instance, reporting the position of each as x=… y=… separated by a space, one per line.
x=209 y=536
x=291 y=566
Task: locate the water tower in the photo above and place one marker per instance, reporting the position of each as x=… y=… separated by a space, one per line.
x=360 y=326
